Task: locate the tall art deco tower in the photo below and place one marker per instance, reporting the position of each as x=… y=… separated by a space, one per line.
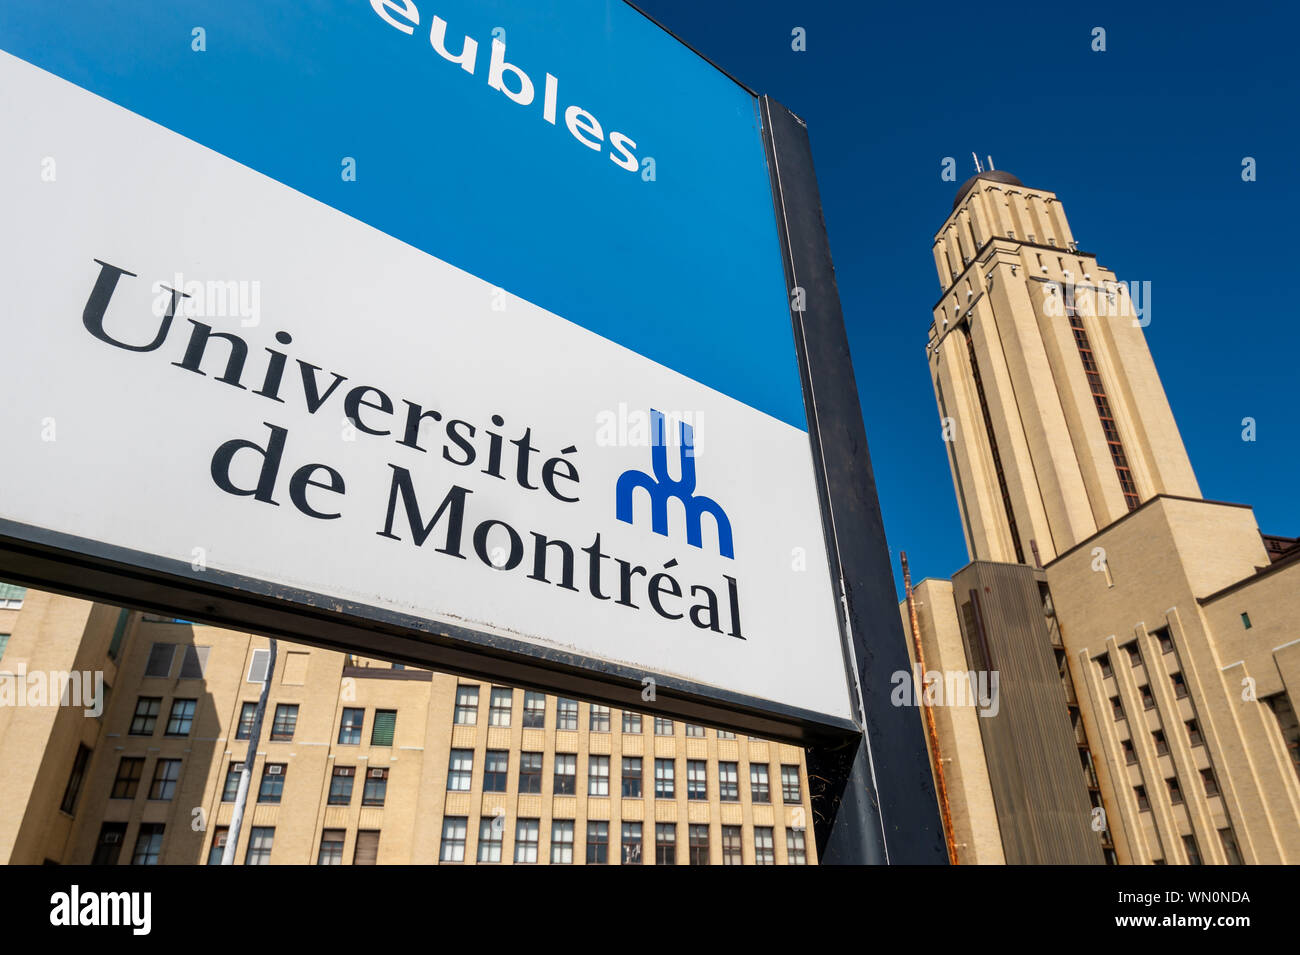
x=1145 y=639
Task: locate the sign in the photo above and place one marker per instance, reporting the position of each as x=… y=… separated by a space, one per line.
x=467 y=312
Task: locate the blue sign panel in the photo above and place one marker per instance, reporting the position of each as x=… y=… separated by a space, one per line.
x=571 y=153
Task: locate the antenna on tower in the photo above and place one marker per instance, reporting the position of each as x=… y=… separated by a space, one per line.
x=990 y=159
x=978 y=168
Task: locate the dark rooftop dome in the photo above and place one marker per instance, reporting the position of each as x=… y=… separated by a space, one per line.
x=993 y=175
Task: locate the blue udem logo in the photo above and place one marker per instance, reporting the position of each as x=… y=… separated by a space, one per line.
x=661 y=487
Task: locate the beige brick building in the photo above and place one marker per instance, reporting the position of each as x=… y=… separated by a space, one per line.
x=357 y=762
x=1144 y=635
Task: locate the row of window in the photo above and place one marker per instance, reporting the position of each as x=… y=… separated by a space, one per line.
x=180 y=721
x=501 y=708
x=1161 y=635
x=1208 y=780
x=1148 y=698
x=491 y=842
x=496 y=771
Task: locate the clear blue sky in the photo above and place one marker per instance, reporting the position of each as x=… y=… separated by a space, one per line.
x=1143 y=143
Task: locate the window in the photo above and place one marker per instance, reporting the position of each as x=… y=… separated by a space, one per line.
x=272 y=786
x=599 y=719
x=496 y=764
x=146 y=716
x=562 y=842
x=1116 y=708
x=1103 y=661
x=530 y=772
x=127 y=781
x=460 y=770
x=247 y=712
x=194 y=663
x=1148 y=701
x=1165 y=640
x=109 y=846
x=1193 y=852
x=376 y=788
x=148 y=844
x=11 y=596
x=697 y=779
x=631 y=777
x=331 y=847
x=1194 y=733
x=366 y=851
x=499 y=708
x=491 y=836
x=795 y=852
x=1175 y=791
x=631 y=722
x=258 y=666
x=381 y=733
x=526 y=838
x=597 y=843
x=231 y=789
x=1230 y=847
x=1134 y=654
x=790 y=790
x=1162 y=744
x=350 y=726
x=1130 y=751
x=631 y=843
x=726 y=734
x=467 y=706
x=341 y=785
x=764 y=846
x=259 y=846
x=453 y=839
x=160 y=660
x=694 y=729
x=534 y=710
x=665 y=843
x=165 y=774
x=4 y=637
x=182 y=717
x=1245 y=622
x=732 y=853
x=75 y=779
x=1180 y=685
x=1211 y=784
x=218 y=848
x=663 y=727
x=758 y=786
x=286 y=721
x=597 y=775
x=566 y=774
x=663 y=779
x=698 y=845
x=728 y=782
x=1143 y=802
x=566 y=714
x=1287 y=724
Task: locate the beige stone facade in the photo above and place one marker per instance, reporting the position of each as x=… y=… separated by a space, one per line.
x=1174 y=623
x=359 y=761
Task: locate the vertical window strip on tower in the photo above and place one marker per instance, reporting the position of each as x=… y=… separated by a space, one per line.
x=1108 y=426
x=993 y=444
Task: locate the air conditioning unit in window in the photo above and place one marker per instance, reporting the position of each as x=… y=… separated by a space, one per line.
x=376 y=774
x=274 y=770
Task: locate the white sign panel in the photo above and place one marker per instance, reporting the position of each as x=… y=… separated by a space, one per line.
x=201 y=363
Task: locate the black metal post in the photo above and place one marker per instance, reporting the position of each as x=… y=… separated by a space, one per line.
x=873 y=796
